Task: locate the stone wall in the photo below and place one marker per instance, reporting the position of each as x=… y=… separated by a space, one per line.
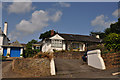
x=112 y=60
x=69 y=55
x=31 y=67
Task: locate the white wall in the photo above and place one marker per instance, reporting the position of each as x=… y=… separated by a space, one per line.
x=21 y=51
x=47 y=47
x=95 y=60
x=1 y=43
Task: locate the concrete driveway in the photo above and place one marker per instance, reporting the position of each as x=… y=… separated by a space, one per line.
x=74 y=68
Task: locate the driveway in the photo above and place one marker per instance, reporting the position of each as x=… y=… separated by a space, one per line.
x=74 y=68
x=65 y=68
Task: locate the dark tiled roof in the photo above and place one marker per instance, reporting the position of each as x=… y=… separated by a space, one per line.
x=14 y=44
x=83 y=38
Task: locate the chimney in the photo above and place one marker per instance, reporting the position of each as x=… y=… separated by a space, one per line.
x=97 y=36
x=5 y=28
x=52 y=32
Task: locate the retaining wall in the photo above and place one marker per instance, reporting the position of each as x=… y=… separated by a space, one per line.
x=112 y=60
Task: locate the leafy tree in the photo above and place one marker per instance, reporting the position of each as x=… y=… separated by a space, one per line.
x=111 y=36
x=29 y=52
x=112 y=41
x=46 y=34
x=29 y=44
x=101 y=34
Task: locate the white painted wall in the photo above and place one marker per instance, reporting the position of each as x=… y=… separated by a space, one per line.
x=8 y=50
x=95 y=60
x=57 y=37
x=21 y=51
x=47 y=47
x=1 y=43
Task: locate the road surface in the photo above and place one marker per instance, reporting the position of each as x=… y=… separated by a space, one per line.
x=74 y=68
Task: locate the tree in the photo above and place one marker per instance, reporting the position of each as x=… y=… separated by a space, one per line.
x=101 y=34
x=29 y=52
x=29 y=44
x=112 y=41
x=46 y=34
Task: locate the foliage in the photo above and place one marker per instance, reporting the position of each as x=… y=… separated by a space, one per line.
x=112 y=41
x=29 y=44
x=101 y=34
x=44 y=55
x=29 y=52
x=3 y=58
x=111 y=36
x=46 y=34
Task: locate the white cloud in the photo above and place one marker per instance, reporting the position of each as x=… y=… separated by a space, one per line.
x=100 y=23
x=116 y=13
x=63 y=4
x=20 y=7
x=38 y=21
x=14 y=35
x=57 y=16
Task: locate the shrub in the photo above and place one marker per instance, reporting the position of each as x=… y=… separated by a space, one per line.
x=112 y=41
x=30 y=52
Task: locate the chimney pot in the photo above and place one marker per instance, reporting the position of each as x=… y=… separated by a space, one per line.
x=52 y=32
x=5 y=28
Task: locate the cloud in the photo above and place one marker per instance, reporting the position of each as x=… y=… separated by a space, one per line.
x=20 y=7
x=100 y=23
x=38 y=21
x=57 y=16
x=14 y=35
x=63 y=4
x=116 y=13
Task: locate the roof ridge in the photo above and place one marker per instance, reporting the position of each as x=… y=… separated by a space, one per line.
x=74 y=34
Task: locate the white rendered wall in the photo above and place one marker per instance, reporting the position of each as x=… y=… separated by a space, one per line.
x=47 y=47
x=21 y=51
x=95 y=60
x=8 y=50
x=1 y=43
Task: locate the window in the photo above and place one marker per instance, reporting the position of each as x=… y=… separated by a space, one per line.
x=56 y=43
x=75 y=45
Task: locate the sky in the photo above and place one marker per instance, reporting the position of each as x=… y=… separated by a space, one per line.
x=27 y=20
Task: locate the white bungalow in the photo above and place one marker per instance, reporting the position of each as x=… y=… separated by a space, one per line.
x=67 y=42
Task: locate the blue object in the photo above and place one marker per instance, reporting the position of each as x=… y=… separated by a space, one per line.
x=15 y=52
x=4 y=51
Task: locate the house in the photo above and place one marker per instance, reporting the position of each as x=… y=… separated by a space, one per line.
x=62 y=41
x=3 y=37
x=14 y=49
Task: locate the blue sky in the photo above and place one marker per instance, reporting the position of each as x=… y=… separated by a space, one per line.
x=26 y=21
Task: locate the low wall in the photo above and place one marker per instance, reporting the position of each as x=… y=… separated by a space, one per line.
x=69 y=55
x=31 y=67
x=112 y=60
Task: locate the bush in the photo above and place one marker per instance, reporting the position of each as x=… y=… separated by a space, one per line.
x=43 y=55
x=112 y=42
x=30 y=52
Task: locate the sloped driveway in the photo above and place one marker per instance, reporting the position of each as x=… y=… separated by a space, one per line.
x=74 y=68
